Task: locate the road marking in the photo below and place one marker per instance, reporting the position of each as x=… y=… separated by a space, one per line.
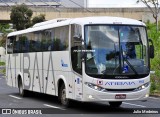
x=154 y=98
x=54 y=107
x=15 y=97
x=134 y=104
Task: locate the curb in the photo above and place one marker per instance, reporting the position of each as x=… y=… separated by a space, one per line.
x=155 y=95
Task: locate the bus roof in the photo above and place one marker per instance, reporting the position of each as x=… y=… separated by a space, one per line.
x=106 y=20
x=81 y=21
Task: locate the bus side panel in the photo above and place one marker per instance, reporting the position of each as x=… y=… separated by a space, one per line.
x=48 y=73
x=77 y=87
x=35 y=72
x=26 y=71
x=61 y=63
x=8 y=70
x=11 y=70
x=71 y=85
x=17 y=68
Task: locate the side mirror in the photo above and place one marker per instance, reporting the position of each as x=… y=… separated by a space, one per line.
x=151 y=49
x=77 y=38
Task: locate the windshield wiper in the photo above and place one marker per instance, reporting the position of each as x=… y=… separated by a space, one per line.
x=131 y=66
x=126 y=60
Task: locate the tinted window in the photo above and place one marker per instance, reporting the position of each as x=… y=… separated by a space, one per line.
x=23 y=44
x=10 y=43
x=76 y=49
x=61 y=38
x=37 y=41
x=55 y=39
x=16 y=45
x=46 y=37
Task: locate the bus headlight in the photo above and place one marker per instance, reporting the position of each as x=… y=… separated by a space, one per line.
x=95 y=87
x=142 y=87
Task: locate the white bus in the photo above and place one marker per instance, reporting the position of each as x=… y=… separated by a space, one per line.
x=84 y=59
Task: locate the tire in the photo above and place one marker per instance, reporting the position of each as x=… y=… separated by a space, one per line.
x=115 y=104
x=22 y=92
x=62 y=96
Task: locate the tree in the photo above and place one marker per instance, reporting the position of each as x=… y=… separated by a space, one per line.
x=39 y=18
x=21 y=17
x=4 y=29
x=153 y=6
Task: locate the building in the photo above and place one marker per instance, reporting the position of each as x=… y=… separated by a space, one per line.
x=56 y=3
x=30 y=2
x=76 y=3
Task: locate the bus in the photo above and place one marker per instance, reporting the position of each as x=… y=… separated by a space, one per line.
x=85 y=59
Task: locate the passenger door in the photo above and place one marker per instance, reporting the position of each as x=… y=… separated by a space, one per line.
x=76 y=51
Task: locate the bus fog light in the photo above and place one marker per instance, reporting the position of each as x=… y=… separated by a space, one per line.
x=90 y=96
x=147 y=95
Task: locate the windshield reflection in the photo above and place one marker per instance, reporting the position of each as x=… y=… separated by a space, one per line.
x=117 y=50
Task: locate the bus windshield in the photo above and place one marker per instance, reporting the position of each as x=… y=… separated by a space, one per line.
x=120 y=50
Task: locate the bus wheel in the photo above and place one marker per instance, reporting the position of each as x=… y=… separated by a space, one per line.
x=22 y=92
x=64 y=101
x=115 y=104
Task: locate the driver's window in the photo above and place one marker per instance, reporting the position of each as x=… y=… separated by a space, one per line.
x=76 y=48
x=10 y=43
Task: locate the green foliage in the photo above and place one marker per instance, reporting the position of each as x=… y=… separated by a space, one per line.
x=2 y=63
x=4 y=28
x=21 y=16
x=155 y=63
x=153 y=6
x=3 y=71
x=38 y=19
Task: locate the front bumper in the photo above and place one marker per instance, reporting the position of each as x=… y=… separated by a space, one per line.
x=94 y=95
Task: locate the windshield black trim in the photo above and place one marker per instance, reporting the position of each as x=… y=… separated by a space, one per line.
x=121 y=76
x=104 y=76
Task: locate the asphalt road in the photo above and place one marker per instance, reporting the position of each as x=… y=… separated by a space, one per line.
x=9 y=98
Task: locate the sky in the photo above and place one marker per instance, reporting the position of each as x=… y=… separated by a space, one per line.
x=114 y=3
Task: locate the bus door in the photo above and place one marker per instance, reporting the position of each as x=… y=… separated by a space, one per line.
x=76 y=52
x=77 y=73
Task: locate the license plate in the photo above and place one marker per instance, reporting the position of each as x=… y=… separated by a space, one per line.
x=120 y=96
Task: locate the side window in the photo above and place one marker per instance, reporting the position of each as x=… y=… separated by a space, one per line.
x=61 y=38
x=26 y=44
x=76 y=48
x=37 y=41
x=10 y=44
x=28 y=40
x=50 y=44
x=16 y=45
x=45 y=35
x=23 y=42
x=32 y=47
